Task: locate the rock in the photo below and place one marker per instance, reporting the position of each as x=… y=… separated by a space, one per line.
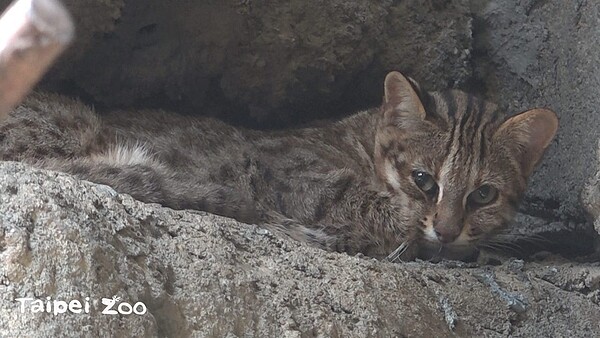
x=265 y=64
x=591 y=194
x=545 y=53
x=204 y=275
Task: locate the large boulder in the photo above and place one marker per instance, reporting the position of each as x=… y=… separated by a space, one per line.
x=208 y=276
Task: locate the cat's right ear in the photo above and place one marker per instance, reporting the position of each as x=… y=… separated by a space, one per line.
x=401 y=100
x=528 y=134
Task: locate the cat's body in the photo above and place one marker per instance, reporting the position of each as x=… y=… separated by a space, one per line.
x=361 y=184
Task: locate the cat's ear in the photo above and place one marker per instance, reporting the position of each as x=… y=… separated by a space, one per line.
x=528 y=134
x=401 y=98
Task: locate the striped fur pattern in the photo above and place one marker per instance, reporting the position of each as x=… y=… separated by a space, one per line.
x=415 y=174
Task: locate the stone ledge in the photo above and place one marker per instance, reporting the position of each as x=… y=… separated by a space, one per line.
x=204 y=275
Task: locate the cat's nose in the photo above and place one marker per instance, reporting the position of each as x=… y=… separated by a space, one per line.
x=446 y=234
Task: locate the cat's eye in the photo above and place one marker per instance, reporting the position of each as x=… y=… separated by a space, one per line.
x=483 y=195
x=425 y=182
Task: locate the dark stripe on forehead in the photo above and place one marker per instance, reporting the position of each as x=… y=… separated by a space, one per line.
x=468 y=133
x=450 y=103
x=450 y=139
x=492 y=119
x=490 y=115
x=482 y=150
x=464 y=117
x=476 y=129
x=475 y=126
x=480 y=112
x=472 y=116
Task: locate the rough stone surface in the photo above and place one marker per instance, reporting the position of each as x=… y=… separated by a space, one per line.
x=209 y=276
x=591 y=194
x=546 y=53
x=262 y=63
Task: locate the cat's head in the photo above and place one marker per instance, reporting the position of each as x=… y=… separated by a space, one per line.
x=457 y=157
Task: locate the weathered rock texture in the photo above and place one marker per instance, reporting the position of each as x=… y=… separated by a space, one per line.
x=546 y=53
x=591 y=194
x=270 y=63
x=209 y=276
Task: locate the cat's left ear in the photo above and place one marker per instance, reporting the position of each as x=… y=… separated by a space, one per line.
x=528 y=134
x=401 y=98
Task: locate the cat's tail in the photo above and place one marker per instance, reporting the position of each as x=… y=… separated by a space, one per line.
x=132 y=171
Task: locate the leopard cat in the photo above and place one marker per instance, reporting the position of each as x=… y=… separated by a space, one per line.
x=426 y=174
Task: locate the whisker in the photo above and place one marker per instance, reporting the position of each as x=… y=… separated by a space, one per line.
x=438 y=254
x=502 y=246
x=395 y=255
x=539 y=238
x=486 y=246
x=519 y=242
x=508 y=245
x=520 y=237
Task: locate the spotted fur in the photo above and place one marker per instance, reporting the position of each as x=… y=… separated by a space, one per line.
x=346 y=186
